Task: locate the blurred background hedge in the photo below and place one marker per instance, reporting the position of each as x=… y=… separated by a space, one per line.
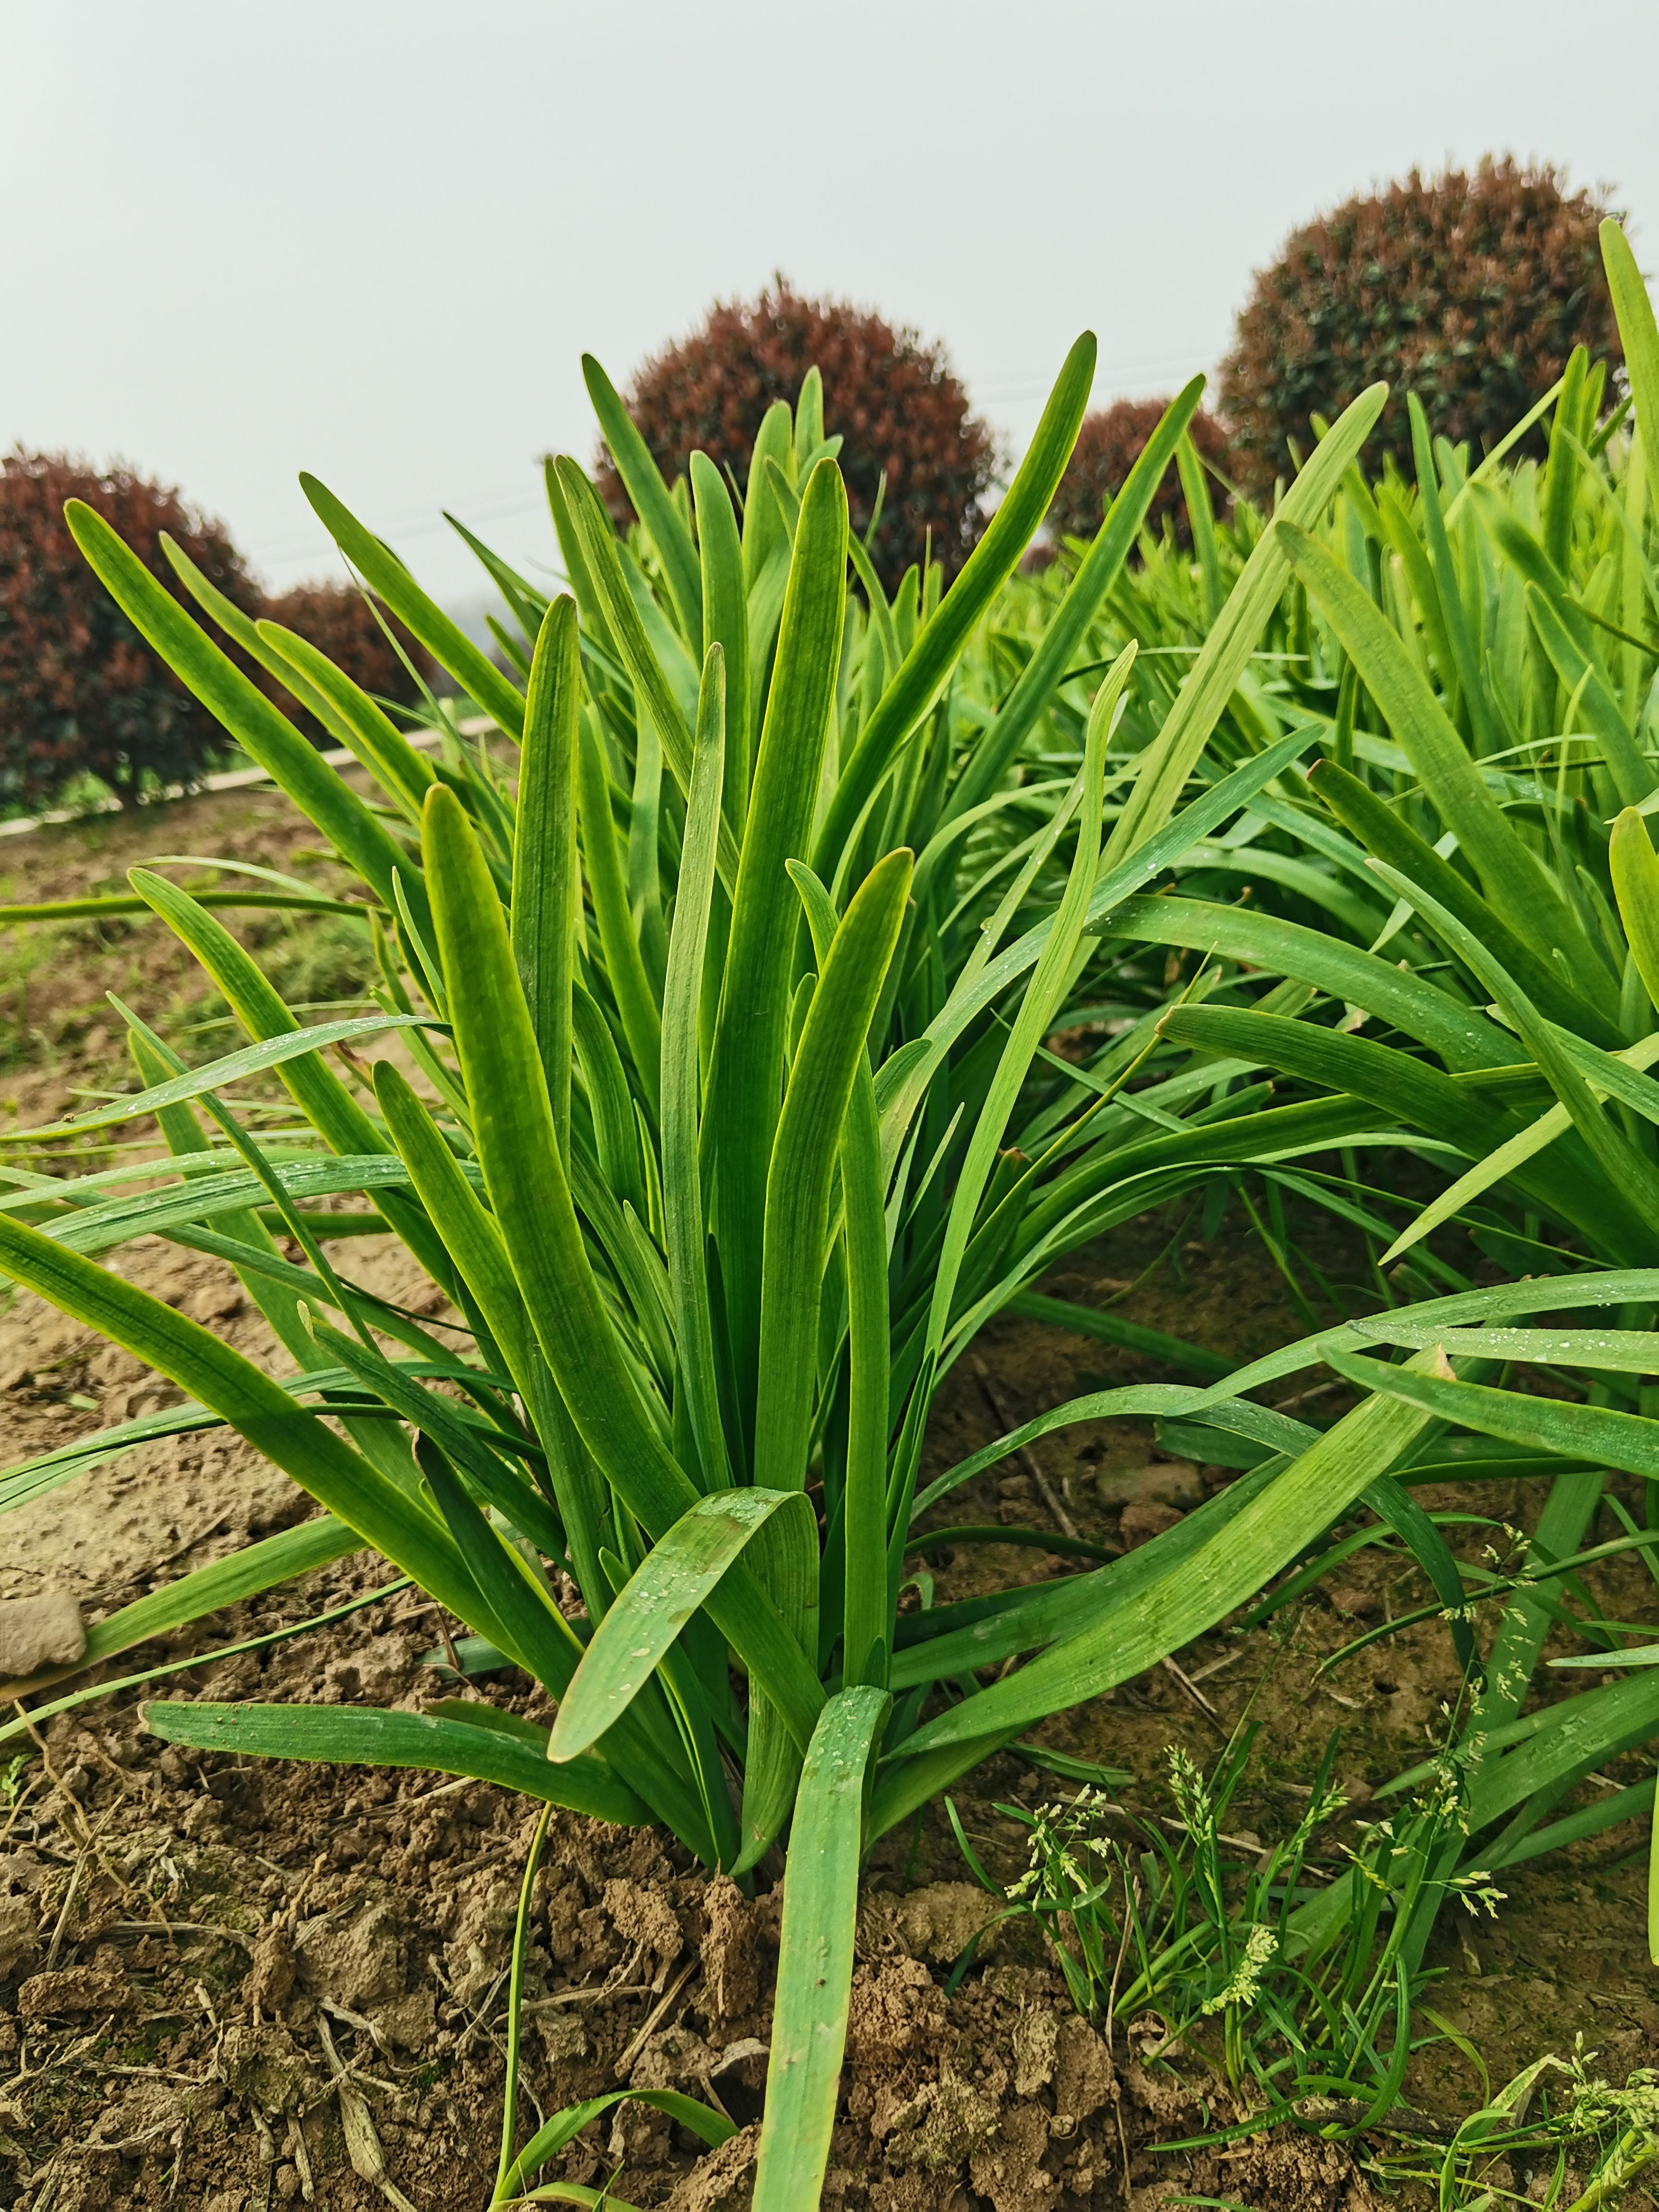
x=1108 y=446
x=80 y=693
x=892 y=398
x=1470 y=290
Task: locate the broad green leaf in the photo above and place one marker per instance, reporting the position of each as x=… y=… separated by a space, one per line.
x=1260 y=1539
x=474 y=1241
x=546 y=886
x=642 y=481
x=815 y=1959
x=530 y=1195
x=1069 y=626
x=404 y=775
x=1577 y=670
x=182 y=1133
x=685 y=1234
x=1571 y=1740
x=764 y=534
x=217 y=1075
x=1636 y=887
x=642 y=1019
x=1403 y=1086
x=865 y=1628
x=1383 y=833
x=1630 y=1174
x=564 y=2127
x=804 y=1155
x=746 y=1073
x=365 y=1735
x=653 y=695
x=899 y=1093
x=314 y=1088
x=673 y=1582
x=1507 y=1160
x=1464 y=1039
x=1043 y=996
x=1461 y=647
x=725 y=623
x=1638 y=332
x=1601 y=1433
x=379 y=567
x=120 y=902
x=469 y=1443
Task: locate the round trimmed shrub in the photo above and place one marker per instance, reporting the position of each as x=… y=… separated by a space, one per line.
x=340 y=623
x=80 y=691
x=892 y=399
x=1470 y=291
x=1109 y=443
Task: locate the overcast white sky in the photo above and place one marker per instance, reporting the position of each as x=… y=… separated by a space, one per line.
x=372 y=238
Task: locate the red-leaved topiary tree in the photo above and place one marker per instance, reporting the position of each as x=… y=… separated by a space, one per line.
x=79 y=689
x=1470 y=291
x=340 y=623
x=892 y=399
x=1108 y=446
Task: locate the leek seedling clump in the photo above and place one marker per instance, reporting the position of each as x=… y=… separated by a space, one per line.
x=723 y=1118
x=714 y=1058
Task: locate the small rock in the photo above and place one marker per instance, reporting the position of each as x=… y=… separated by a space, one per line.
x=288 y=2183
x=40 y=1632
x=215 y=1302
x=1141 y=1522
x=72 y=1990
x=1162 y=1482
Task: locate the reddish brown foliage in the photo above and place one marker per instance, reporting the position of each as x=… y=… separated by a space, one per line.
x=79 y=688
x=892 y=399
x=339 y=622
x=1470 y=290
x=1108 y=446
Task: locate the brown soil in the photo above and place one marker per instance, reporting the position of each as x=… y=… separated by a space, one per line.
x=184 y=1941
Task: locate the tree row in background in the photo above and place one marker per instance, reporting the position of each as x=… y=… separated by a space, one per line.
x=1468 y=292
x=82 y=694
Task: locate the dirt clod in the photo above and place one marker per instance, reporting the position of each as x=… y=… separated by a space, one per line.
x=46 y=1631
x=70 y=1990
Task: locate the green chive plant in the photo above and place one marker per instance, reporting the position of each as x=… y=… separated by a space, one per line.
x=716 y=1025
x=1452 y=936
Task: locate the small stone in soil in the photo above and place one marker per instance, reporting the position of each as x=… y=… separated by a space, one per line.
x=40 y=1632
x=1164 y=1482
x=1141 y=1522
